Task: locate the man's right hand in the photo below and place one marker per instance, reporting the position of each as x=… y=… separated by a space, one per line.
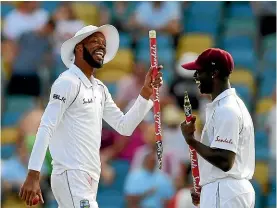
x=195 y=197
x=31 y=188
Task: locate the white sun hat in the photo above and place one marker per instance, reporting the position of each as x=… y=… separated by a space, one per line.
x=112 y=43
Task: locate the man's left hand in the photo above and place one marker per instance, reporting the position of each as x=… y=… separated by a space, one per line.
x=150 y=83
x=188 y=130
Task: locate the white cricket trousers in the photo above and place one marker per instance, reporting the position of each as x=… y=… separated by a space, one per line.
x=228 y=193
x=74 y=189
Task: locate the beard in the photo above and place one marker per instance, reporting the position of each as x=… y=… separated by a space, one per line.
x=90 y=60
x=206 y=87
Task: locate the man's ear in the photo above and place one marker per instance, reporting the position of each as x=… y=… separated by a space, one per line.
x=215 y=73
x=78 y=48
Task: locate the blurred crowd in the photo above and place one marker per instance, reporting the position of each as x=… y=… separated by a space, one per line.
x=32 y=34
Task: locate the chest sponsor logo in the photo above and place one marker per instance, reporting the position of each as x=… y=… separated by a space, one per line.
x=228 y=141
x=58 y=97
x=87 y=100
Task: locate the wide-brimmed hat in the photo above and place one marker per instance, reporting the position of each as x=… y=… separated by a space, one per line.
x=112 y=42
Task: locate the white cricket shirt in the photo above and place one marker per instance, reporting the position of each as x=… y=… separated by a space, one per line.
x=228 y=126
x=72 y=123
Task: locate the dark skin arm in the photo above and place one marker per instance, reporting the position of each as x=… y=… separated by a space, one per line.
x=31 y=188
x=222 y=159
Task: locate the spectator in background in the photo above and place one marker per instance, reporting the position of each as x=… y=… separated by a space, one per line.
x=119 y=15
x=67 y=25
x=184 y=80
x=130 y=85
x=147 y=186
x=172 y=164
x=173 y=140
x=182 y=199
x=27 y=129
x=266 y=13
x=162 y=16
x=34 y=51
x=14 y=170
x=29 y=123
x=9 y=50
x=25 y=18
x=123 y=147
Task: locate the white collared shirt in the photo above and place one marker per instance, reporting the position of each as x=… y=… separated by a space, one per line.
x=72 y=123
x=228 y=126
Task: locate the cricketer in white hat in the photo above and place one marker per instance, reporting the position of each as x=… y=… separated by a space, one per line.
x=72 y=122
x=111 y=37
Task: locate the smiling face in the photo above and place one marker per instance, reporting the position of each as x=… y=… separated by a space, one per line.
x=94 y=49
x=204 y=80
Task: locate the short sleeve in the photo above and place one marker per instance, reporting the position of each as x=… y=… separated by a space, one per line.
x=226 y=130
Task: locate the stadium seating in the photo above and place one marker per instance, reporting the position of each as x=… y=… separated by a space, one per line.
x=6 y=7
x=261 y=139
x=121 y=65
x=87 y=12
x=200 y=9
x=258 y=193
x=269 y=42
x=238 y=26
x=112 y=87
x=110 y=199
x=264 y=105
x=262 y=142
x=125 y=40
x=244 y=93
x=8 y=135
x=7 y=150
x=164 y=42
x=240 y=9
x=202 y=25
x=194 y=43
x=114 y=191
x=245 y=58
x=10 y=118
x=269 y=57
x=241 y=76
x=261 y=175
x=50 y=6
x=121 y=168
x=238 y=41
x=15 y=107
x=271 y=200
x=18 y=103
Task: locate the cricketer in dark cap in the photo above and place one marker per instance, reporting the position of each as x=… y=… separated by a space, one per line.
x=213 y=68
x=227 y=146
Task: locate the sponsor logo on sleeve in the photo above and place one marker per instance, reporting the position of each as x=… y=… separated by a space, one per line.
x=58 y=97
x=228 y=141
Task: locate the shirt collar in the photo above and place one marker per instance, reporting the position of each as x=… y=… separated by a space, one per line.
x=222 y=95
x=76 y=70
